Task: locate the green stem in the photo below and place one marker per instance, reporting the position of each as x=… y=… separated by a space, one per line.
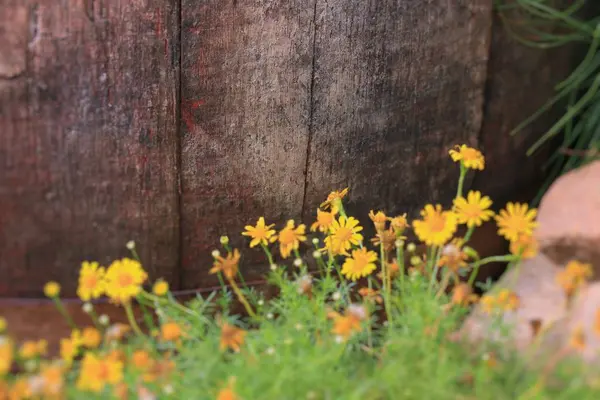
x=461 y=180
x=148 y=321
x=437 y=253
x=400 y=261
x=386 y=285
x=268 y=254
x=469 y=234
x=131 y=319
x=62 y=310
x=487 y=260
x=242 y=299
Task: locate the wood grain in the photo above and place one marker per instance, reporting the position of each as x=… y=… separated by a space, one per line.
x=396 y=85
x=88 y=138
x=246 y=75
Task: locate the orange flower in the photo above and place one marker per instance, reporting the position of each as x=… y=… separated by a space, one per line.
x=91 y=338
x=463 y=295
x=290 y=238
x=232 y=337
x=323 y=222
x=578 y=340
x=228 y=266
x=171 y=332
x=526 y=246
x=379 y=219
x=370 y=295
x=345 y=325
x=574 y=276
x=334 y=200
x=387 y=237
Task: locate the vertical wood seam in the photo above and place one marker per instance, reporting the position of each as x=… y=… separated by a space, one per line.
x=178 y=151
x=310 y=111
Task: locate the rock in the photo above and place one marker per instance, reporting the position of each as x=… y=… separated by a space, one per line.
x=569 y=218
x=542 y=301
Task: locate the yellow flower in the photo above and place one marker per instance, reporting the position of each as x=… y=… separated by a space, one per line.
x=96 y=373
x=525 y=246
x=334 y=200
x=20 y=390
x=462 y=295
x=290 y=238
x=362 y=263
x=124 y=279
x=160 y=288
x=468 y=156
x=345 y=325
x=228 y=265
x=324 y=221
x=516 y=220
x=53 y=378
x=488 y=303
x=90 y=337
x=436 y=227
x=52 y=289
x=31 y=349
x=261 y=233
x=91 y=281
x=171 y=332
x=343 y=233
x=379 y=219
x=507 y=300
x=474 y=210
x=399 y=224
x=141 y=360
x=6 y=355
x=227 y=393
x=2 y=325
x=69 y=347
x=232 y=337
x=574 y=276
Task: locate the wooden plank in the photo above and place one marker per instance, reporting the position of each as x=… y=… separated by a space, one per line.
x=88 y=94
x=246 y=73
x=397 y=83
x=520 y=80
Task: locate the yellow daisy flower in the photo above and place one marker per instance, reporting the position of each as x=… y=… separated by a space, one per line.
x=526 y=246
x=323 y=222
x=91 y=281
x=96 y=373
x=474 y=210
x=290 y=238
x=343 y=234
x=91 y=337
x=468 y=156
x=160 y=288
x=227 y=265
x=69 y=347
x=362 y=263
x=516 y=220
x=53 y=378
x=124 y=279
x=261 y=233
x=334 y=200
x=436 y=227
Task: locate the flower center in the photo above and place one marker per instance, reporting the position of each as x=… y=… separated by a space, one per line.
x=91 y=282
x=287 y=237
x=470 y=154
x=343 y=234
x=125 y=280
x=437 y=223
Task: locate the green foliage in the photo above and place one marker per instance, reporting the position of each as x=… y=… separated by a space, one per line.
x=549 y=24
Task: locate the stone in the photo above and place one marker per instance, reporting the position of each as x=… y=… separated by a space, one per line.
x=543 y=325
x=569 y=218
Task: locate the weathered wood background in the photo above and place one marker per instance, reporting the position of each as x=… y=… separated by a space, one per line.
x=173 y=122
